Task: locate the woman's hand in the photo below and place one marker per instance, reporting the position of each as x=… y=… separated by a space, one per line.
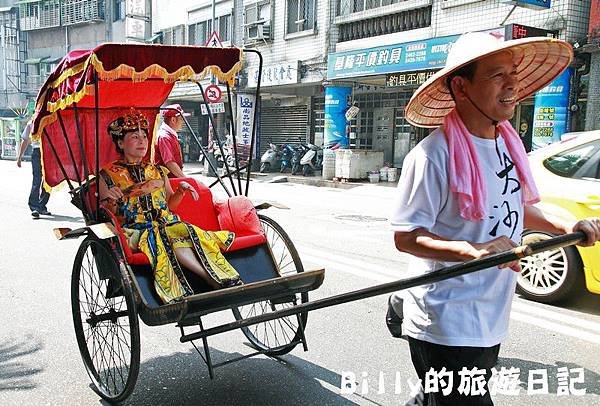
x=184 y=187
x=113 y=193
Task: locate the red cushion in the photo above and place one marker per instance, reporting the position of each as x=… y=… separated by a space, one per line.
x=133 y=258
x=199 y=212
x=237 y=214
x=246 y=241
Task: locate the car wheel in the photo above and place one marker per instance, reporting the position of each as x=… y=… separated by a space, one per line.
x=550 y=276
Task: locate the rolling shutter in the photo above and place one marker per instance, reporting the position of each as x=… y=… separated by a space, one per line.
x=283 y=125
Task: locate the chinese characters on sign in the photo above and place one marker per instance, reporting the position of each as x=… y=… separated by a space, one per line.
x=405 y=79
x=472 y=382
x=551 y=111
x=279 y=74
x=136 y=20
x=214 y=108
x=412 y=56
x=246 y=104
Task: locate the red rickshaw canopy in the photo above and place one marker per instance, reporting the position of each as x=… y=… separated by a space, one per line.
x=130 y=76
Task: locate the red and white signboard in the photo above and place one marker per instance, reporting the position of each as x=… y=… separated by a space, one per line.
x=214 y=41
x=212 y=94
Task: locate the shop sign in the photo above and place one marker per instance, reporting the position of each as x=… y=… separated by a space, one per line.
x=284 y=73
x=214 y=108
x=427 y=54
x=594 y=27
x=550 y=119
x=407 y=79
x=337 y=101
x=516 y=31
x=136 y=20
x=533 y=4
x=246 y=105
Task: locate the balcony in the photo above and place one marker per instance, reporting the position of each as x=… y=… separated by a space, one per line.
x=385 y=24
x=35 y=15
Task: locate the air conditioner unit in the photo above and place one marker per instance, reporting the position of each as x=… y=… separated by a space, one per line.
x=257 y=32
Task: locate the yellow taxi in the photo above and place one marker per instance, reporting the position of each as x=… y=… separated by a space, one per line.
x=567 y=174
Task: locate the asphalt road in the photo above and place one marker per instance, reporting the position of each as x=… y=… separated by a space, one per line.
x=344 y=231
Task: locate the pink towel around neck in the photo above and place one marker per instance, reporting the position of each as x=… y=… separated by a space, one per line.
x=465 y=178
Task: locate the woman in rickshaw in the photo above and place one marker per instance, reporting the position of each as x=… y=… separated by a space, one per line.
x=148 y=221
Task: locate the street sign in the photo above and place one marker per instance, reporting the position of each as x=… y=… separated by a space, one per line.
x=214 y=41
x=212 y=93
x=214 y=108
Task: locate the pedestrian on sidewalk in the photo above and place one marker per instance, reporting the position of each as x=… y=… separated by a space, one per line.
x=38 y=197
x=167 y=151
x=465 y=192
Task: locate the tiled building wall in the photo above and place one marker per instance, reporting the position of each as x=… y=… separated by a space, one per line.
x=457 y=16
x=308 y=46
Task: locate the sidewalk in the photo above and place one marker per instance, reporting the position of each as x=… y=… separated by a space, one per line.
x=196 y=168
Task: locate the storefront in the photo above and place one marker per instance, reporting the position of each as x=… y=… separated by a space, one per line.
x=10 y=136
x=285 y=103
x=383 y=80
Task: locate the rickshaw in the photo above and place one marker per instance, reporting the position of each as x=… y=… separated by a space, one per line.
x=111 y=286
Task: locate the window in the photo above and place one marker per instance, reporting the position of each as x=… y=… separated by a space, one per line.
x=257 y=21
x=347 y=7
x=258 y=12
x=569 y=163
x=120 y=10
x=224 y=26
x=198 y=33
x=39 y=14
x=174 y=35
x=300 y=15
x=81 y=11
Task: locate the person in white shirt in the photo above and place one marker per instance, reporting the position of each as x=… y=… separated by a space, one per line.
x=38 y=197
x=465 y=192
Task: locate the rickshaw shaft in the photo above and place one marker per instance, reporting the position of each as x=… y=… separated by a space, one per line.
x=432 y=277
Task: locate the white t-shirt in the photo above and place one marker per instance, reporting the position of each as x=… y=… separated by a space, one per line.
x=473 y=309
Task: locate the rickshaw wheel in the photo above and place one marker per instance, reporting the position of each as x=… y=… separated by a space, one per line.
x=279 y=336
x=105 y=320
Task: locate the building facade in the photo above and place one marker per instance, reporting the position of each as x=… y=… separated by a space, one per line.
x=36 y=34
x=413 y=38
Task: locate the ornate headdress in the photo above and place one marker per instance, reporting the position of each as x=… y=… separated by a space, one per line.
x=128 y=122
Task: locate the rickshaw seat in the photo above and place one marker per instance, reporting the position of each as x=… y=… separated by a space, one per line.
x=237 y=214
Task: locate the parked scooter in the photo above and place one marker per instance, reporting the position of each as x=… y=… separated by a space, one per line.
x=312 y=160
x=286 y=157
x=299 y=152
x=271 y=159
x=229 y=154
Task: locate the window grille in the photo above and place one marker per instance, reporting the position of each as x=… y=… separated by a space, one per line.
x=174 y=35
x=81 y=11
x=257 y=21
x=347 y=7
x=120 y=10
x=300 y=15
x=224 y=25
x=199 y=32
x=387 y=24
x=39 y=14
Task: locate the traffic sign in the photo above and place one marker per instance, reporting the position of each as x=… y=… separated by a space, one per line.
x=214 y=41
x=212 y=93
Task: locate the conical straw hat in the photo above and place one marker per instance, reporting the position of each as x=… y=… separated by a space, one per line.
x=539 y=60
